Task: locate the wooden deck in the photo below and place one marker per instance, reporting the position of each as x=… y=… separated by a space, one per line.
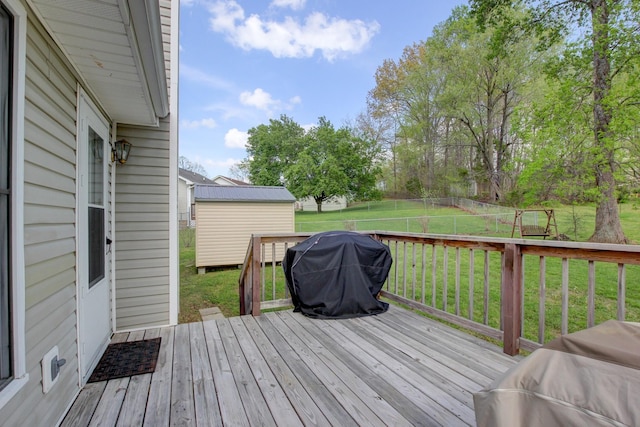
x=284 y=369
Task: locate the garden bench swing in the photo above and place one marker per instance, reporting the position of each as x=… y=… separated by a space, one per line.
x=533 y=229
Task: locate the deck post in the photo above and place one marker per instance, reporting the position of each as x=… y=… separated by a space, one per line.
x=245 y=280
x=255 y=275
x=511 y=298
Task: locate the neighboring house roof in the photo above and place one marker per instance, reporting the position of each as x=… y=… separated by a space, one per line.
x=246 y=193
x=193 y=177
x=225 y=180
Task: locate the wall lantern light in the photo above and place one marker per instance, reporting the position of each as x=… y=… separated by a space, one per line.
x=120 y=151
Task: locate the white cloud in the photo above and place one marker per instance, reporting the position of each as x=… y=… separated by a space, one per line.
x=263 y=101
x=308 y=126
x=224 y=16
x=235 y=138
x=229 y=111
x=195 y=124
x=293 y=4
x=259 y=99
x=199 y=76
x=295 y=100
x=290 y=38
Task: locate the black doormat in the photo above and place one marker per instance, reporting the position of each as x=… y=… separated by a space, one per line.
x=125 y=359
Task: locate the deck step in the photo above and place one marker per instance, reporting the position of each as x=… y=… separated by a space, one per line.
x=211 y=313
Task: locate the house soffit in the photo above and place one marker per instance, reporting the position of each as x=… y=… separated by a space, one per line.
x=116 y=48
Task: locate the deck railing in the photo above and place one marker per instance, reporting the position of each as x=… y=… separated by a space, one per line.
x=520 y=292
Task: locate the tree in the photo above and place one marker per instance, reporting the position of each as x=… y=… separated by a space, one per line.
x=380 y=131
x=321 y=163
x=606 y=31
x=271 y=149
x=484 y=88
x=558 y=162
x=186 y=164
x=384 y=106
x=451 y=100
x=240 y=171
x=405 y=101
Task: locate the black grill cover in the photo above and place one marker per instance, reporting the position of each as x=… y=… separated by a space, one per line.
x=337 y=274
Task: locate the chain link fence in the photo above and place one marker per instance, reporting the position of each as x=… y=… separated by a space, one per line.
x=482 y=218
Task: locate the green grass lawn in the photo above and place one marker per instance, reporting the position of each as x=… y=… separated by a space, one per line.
x=216 y=288
x=220 y=288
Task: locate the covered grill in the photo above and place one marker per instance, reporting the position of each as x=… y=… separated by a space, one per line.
x=337 y=274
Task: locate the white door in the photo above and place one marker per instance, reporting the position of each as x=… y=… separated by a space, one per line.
x=93 y=249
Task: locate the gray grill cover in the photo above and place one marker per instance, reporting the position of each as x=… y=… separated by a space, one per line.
x=337 y=274
x=587 y=378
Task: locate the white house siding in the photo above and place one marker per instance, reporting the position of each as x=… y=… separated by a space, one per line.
x=183 y=202
x=309 y=204
x=142 y=232
x=49 y=231
x=225 y=228
x=145 y=239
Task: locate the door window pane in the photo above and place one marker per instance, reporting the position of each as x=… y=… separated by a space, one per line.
x=96 y=170
x=96 y=245
x=96 y=208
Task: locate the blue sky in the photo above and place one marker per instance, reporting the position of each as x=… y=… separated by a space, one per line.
x=243 y=62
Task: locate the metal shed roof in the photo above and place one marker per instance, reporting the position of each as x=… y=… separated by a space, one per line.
x=248 y=193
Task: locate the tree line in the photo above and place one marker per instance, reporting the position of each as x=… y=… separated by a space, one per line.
x=519 y=102
x=514 y=101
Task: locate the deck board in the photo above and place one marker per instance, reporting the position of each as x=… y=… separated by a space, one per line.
x=279 y=405
x=158 y=408
x=303 y=404
x=332 y=374
x=255 y=406
x=410 y=395
x=281 y=368
x=231 y=409
x=182 y=401
x=406 y=379
x=335 y=413
x=207 y=409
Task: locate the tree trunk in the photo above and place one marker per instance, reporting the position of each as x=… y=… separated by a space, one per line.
x=495 y=187
x=319 y=204
x=607 y=228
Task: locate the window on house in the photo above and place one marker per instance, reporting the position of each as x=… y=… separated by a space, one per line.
x=6 y=55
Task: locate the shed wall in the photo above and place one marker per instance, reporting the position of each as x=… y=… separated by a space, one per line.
x=224 y=229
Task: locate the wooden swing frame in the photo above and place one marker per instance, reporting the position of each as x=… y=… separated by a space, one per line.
x=529 y=230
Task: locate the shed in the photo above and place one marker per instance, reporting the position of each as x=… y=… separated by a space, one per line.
x=227 y=216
